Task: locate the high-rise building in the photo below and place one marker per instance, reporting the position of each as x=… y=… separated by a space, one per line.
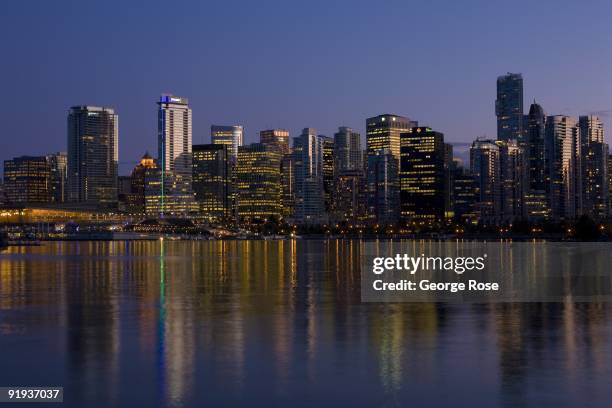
x=485 y=168
x=563 y=167
x=423 y=188
x=58 y=167
x=211 y=181
x=348 y=198
x=536 y=206
x=594 y=172
x=509 y=107
x=93 y=155
x=136 y=199
x=258 y=183
x=230 y=136
x=175 y=156
x=347 y=150
x=463 y=193
x=328 y=171
x=288 y=185
x=26 y=180
x=512 y=175
x=383 y=187
x=309 y=187
x=383 y=132
x=276 y=137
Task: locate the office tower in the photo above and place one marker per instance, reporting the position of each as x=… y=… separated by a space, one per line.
x=536 y=206
x=58 y=168
x=288 y=185
x=512 y=178
x=383 y=132
x=463 y=190
x=594 y=171
x=509 y=107
x=328 y=171
x=347 y=150
x=93 y=154
x=124 y=190
x=230 y=136
x=276 y=137
x=563 y=167
x=348 y=198
x=485 y=168
x=135 y=202
x=423 y=176
x=175 y=156
x=308 y=168
x=26 y=180
x=383 y=187
x=258 y=183
x=211 y=181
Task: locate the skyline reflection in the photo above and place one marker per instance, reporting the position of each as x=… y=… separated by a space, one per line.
x=175 y=323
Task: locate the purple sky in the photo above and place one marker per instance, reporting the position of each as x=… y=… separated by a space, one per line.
x=293 y=64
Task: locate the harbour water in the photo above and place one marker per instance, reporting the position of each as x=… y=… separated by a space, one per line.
x=277 y=323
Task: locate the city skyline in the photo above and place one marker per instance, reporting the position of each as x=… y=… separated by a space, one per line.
x=449 y=86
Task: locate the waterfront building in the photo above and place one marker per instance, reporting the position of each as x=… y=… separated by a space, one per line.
x=563 y=167
x=512 y=175
x=535 y=202
x=212 y=181
x=485 y=168
x=328 y=171
x=463 y=190
x=93 y=155
x=135 y=199
x=288 y=185
x=594 y=172
x=58 y=173
x=278 y=138
x=509 y=107
x=308 y=171
x=26 y=180
x=383 y=132
x=423 y=189
x=230 y=136
x=258 y=183
x=174 y=157
x=348 y=198
x=347 y=150
x=383 y=201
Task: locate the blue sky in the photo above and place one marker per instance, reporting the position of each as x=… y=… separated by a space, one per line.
x=293 y=64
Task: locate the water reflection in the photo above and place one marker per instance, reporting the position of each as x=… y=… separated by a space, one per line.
x=168 y=323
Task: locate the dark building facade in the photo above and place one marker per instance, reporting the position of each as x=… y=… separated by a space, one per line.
x=423 y=176
x=93 y=154
x=212 y=181
x=509 y=107
x=383 y=203
x=26 y=180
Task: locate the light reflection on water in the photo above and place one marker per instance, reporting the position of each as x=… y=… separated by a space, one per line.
x=182 y=323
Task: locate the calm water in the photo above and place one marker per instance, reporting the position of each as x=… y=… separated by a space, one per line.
x=181 y=323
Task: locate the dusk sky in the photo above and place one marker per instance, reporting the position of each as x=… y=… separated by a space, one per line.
x=291 y=64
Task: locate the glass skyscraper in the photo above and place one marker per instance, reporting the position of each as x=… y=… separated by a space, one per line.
x=175 y=155
x=211 y=181
x=509 y=107
x=383 y=132
x=230 y=136
x=93 y=154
